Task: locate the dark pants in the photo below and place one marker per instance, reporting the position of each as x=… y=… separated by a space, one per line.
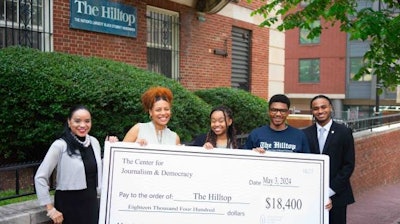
x=337 y=215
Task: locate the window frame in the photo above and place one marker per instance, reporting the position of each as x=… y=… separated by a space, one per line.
x=39 y=32
x=353 y=71
x=309 y=80
x=173 y=41
x=303 y=33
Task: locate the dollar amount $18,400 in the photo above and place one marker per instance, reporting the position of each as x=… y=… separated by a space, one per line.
x=283 y=204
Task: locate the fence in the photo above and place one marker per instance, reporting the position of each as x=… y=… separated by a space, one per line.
x=17 y=180
x=372 y=122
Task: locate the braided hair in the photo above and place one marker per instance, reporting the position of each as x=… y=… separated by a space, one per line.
x=231 y=130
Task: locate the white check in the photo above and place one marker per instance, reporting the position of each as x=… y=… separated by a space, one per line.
x=181 y=184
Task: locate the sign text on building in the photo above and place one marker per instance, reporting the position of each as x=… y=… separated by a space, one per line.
x=103 y=16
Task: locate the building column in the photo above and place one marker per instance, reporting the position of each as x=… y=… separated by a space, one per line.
x=338 y=108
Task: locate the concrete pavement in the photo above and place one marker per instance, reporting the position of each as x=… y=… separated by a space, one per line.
x=380 y=205
x=28 y=212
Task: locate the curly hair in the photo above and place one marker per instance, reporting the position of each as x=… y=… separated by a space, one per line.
x=155 y=94
x=231 y=132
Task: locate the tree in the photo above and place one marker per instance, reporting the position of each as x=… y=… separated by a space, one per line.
x=380 y=25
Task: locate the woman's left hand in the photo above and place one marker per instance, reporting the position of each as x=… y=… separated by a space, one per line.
x=208 y=145
x=329 y=205
x=112 y=139
x=142 y=142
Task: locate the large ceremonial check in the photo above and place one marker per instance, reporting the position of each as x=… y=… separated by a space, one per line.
x=180 y=184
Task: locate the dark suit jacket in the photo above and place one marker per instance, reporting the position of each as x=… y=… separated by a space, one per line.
x=339 y=146
x=199 y=140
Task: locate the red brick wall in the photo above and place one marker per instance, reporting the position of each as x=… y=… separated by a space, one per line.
x=377 y=160
x=26 y=183
x=254 y=4
x=332 y=54
x=299 y=120
x=199 y=67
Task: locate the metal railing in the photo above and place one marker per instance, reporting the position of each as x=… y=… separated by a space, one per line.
x=371 y=122
x=18 y=180
x=26 y=23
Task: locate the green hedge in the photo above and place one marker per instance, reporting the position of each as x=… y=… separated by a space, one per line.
x=249 y=111
x=37 y=89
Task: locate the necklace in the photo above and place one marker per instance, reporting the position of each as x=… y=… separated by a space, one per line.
x=159 y=136
x=85 y=143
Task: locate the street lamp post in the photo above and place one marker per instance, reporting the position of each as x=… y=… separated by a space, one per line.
x=377 y=85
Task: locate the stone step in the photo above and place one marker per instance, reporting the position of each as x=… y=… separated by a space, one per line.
x=28 y=212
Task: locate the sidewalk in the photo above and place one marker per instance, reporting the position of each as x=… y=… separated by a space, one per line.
x=27 y=212
x=377 y=206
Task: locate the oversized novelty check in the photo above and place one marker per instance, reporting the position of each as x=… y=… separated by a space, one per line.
x=180 y=184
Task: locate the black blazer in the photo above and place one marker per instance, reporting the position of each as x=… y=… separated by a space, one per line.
x=199 y=140
x=339 y=146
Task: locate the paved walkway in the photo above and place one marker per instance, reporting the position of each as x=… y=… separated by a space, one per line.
x=377 y=206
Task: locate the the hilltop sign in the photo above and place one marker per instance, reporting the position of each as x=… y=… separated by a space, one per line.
x=104 y=17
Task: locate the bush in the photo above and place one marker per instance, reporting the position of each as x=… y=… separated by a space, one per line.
x=38 y=88
x=249 y=111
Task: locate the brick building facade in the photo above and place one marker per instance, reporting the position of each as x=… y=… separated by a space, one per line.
x=326 y=65
x=201 y=49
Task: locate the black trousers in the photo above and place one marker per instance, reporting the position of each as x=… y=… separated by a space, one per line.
x=337 y=215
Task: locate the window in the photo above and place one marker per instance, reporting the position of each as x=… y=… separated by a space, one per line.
x=309 y=71
x=25 y=23
x=355 y=64
x=304 y=33
x=241 y=57
x=163 y=42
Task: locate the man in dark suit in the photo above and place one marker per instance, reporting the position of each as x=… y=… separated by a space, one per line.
x=335 y=140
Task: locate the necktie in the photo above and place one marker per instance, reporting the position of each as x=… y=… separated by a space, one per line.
x=321 y=139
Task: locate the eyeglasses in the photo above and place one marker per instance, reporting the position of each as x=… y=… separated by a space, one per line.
x=276 y=110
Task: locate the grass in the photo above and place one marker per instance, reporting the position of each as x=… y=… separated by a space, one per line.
x=17 y=200
x=8 y=193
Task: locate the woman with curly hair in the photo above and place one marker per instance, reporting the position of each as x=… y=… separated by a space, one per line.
x=157 y=101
